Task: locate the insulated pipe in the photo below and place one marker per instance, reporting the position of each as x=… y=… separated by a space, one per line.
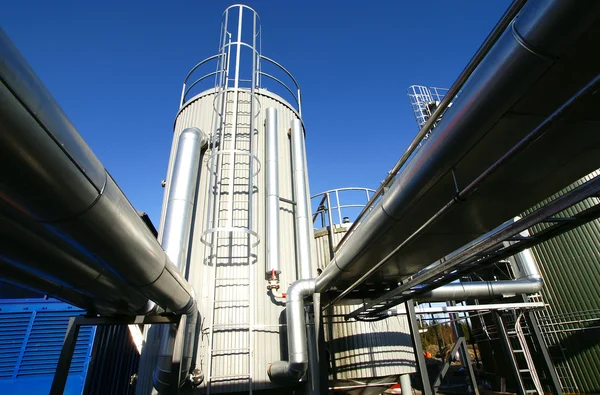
x=176 y=242
x=541 y=32
x=295 y=367
x=297 y=364
x=272 y=181
x=303 y=218
x=53 y=180
x=528 y=280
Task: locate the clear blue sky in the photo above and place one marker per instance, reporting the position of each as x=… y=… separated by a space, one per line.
x=116 y=68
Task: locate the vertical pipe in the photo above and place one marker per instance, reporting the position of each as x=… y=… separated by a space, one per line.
x=303 y=219
x=176 y=241
x=405 y=386
x=272 y=175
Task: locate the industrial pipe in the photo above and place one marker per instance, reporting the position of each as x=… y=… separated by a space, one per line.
x=541 y=32
x=483 y=50
x=295 y=367
x=528 y=281
x=298 y=339
x=303 y=218
x=53 y=181
x=272 y=192
x=176 y=242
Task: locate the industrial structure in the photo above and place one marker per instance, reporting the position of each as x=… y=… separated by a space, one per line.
x=250 y=285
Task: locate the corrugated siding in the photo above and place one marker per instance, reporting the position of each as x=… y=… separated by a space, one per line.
x=570 y=265
x=31 y=339
x=269 y=327
x=114 y=361
x=363 y=349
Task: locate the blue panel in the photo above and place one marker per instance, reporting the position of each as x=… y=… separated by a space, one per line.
x=31 y=337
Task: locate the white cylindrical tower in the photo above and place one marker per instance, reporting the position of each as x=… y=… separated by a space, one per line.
x=238 y=202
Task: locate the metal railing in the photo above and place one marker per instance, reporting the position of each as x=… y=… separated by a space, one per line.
x=329 y=202
x=192 y=84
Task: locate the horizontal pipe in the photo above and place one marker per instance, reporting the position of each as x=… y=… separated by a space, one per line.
x=52 y=179
x=501 y=79
x=296 y=366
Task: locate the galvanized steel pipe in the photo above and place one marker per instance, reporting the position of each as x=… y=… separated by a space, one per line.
x=176 y=242
x=272 y=193
x=525 y=51
x=303 y=218
x=52 y=180
x=295 y=367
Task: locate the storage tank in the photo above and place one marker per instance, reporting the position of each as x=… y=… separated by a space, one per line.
x=363 y=357
x=234 y=99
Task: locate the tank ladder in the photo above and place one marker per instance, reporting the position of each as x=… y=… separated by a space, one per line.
x=232 y=242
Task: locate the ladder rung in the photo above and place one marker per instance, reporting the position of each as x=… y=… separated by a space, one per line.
x=227 y=378
x=531 y=391
x=233 y=301
x=232 y=326
x=524 y=370
x=518 y=351
x=231 y=350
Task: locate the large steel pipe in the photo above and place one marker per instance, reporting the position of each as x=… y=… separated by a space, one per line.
x=272 y=192
x=542 y=31
x=51 y=177
x=176 y=242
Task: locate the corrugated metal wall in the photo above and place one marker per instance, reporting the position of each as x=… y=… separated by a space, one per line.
x=362 y=350
x=570 y=265
x=114 y=362
x=31 y=338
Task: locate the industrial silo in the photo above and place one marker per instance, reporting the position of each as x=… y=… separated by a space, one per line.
x=248 y=202
x=362 y=357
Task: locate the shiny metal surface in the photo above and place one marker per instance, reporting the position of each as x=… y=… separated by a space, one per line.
x=429 y=124
x=272 y=192
x=269 y=325
x=176 y=243
x=505 y=98
x=301 y=196
x=528 y=280
x=60 y=190
x=34 y=118
x=295 y=367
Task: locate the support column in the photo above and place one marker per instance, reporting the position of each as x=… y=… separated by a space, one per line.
x=416 y=338
x=405 y=385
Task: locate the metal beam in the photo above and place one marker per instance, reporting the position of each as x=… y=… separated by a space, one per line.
x=416 y=338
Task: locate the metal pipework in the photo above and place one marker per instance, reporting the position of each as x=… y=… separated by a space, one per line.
x=295 y=367
x=272 y=183
x=528 y=280
x=176 y=242
x=55 y=182
x=303 y=219
x=491 y=90
x=487 y=45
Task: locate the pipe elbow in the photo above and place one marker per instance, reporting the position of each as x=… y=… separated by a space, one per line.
x=300 y=289
x=196 y=133
x=284 y=372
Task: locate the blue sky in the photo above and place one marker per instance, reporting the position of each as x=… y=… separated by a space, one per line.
x=116 y=68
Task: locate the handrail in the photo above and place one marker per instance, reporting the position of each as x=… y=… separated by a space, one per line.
x=338 y=207
x=281 y=83
x=489 y=42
